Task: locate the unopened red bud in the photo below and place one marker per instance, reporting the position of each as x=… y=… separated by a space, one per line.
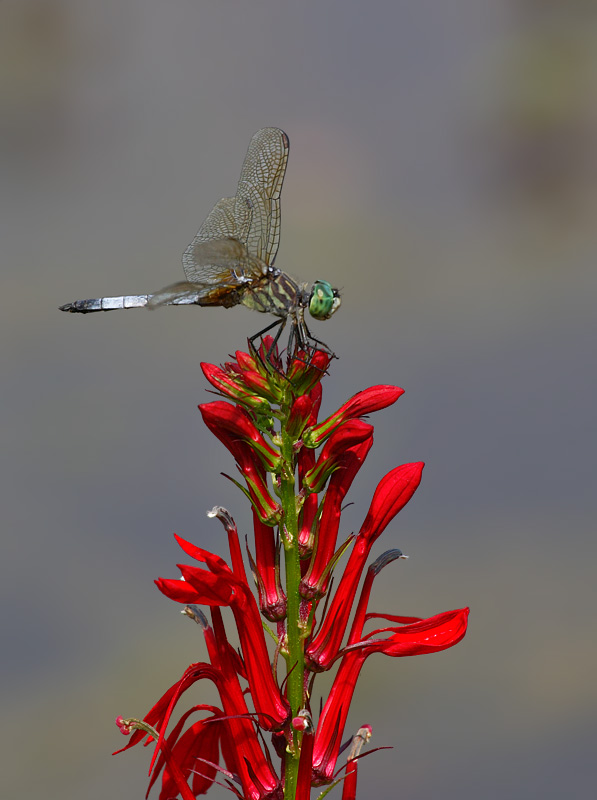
x=335 y=452
x=303 y=721
x=307 y=370
x=230 y=386
x=229 y=423
x=266 y=387
x=246 y=362
x=365 y=402
x=299 y=415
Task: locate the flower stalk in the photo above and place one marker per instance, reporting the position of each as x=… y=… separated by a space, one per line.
x=296 y=472
x=296 y=656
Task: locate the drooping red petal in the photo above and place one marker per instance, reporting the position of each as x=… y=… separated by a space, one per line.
x=199 y=741
x=243 y=746
x=199 y=586
x=215 y=564
x=176 y=775
x=173 y=738
x=426 y=636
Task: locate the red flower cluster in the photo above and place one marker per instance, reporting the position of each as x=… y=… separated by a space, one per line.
x=272 y=429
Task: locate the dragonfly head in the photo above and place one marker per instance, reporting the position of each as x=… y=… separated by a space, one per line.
x=324 y=300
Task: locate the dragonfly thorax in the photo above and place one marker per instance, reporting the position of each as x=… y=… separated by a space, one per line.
x=323 y=300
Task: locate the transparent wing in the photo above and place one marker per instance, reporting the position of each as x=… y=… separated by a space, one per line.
x=218 y=225
x=257 y=202
x=186 y=293
x=217 y=271
x=252 y=217
x=221 y=262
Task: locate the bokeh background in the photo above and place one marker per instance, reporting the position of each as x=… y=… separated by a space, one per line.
x=443 y=174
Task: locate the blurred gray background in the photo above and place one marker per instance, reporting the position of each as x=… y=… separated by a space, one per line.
x=443 y=174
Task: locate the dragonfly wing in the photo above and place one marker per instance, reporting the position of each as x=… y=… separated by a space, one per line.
x=187 y=293
x=223 y=262
x=171 y=293
x=220 y=222
x=257 y=202
x=218 y=225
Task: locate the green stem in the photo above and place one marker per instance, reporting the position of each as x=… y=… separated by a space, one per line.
x=296 y=658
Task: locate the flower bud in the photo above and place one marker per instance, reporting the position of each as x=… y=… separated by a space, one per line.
x=365 y=402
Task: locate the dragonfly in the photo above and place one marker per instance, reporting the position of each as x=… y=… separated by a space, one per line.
x=231 y=259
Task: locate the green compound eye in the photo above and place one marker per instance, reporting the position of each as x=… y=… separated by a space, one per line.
x=324 y=300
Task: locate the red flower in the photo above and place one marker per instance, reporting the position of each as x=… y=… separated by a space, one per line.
x=229 y=385
x=260 y=384
x=426 y=636
x=266 y=571
x=300 y=414
x=233 y=731
x=179 y=759
x=230 y=424
x=219 y=587
x=314 y=581
x=306 y=462
x=254 y=767
x=247 y=363
x=308 y=512
x=257 y=491
x=392 y=494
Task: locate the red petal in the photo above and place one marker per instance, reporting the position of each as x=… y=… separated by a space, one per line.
x=428 y=636
x=392 y=494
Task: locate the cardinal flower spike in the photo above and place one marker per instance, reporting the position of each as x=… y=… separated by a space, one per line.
x=270 y=424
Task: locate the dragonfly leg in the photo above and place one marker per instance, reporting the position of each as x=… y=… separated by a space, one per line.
x=298 y=342
x=303 y=335
x=280 y=324
x=300 y=339
x=307 y=342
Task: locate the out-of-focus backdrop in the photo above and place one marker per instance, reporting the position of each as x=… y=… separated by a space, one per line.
x=443 y=174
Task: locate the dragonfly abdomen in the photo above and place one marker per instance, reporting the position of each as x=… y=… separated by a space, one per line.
x=113 y=303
